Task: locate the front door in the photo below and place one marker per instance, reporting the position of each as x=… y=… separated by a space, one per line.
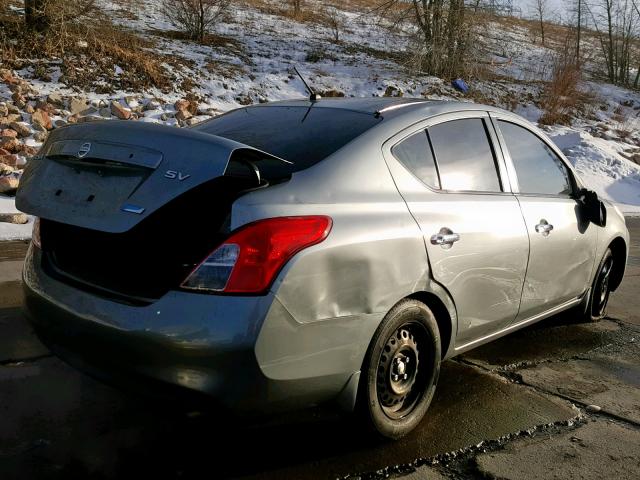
x=563 y=241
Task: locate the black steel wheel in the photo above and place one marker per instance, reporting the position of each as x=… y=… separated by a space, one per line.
x=401 y=370
x=601 y=290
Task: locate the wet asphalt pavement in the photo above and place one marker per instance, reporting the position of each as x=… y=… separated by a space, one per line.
x=527 y=392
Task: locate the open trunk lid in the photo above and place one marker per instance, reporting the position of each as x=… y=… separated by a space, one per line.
x=110 y=176
x=128 y=209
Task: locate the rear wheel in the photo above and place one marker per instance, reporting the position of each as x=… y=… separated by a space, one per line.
x=401 y=370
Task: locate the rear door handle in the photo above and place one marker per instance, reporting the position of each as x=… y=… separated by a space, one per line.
x=544 y=228
x=445 y=238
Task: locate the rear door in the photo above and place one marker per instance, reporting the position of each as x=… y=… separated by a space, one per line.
x=562 y=241
x=472 y=224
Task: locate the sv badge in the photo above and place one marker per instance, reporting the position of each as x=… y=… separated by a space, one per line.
x=175 y=175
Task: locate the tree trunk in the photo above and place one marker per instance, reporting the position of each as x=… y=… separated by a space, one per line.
x=201 y=22
x=578 y=33
x=34 y=15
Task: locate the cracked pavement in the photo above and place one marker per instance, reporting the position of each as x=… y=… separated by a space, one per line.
x=557 y=400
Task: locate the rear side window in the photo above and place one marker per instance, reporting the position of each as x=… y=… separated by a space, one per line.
x=464 y=156
x=415 y=154
x=539 y=170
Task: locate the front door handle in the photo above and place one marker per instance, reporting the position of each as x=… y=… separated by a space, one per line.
x=445 y=238
x=544 y=228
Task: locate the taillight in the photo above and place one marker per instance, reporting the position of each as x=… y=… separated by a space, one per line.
x=249 y=260
x=35 y=234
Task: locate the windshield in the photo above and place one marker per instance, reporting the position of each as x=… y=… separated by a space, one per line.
x=301 y=135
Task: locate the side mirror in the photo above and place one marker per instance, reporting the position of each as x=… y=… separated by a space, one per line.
x=594 y=209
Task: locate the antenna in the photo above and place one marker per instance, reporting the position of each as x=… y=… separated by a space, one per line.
x=314 y=97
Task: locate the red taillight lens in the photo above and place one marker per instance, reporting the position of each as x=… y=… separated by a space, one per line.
x=249 y=260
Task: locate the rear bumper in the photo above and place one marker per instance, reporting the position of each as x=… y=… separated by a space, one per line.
x=196 y=344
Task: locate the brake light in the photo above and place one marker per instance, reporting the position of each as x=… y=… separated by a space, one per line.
x=249 y=260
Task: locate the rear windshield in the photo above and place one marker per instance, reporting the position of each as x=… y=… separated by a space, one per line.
x=301 y=135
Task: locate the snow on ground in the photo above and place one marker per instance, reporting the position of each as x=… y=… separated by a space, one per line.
x=10 y=231
x=251 y=61
x=601 y=167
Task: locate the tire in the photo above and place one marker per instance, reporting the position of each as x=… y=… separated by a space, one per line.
x=401 y=370
x=596 y=307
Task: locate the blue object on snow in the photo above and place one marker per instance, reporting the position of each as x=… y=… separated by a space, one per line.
x=460 y=85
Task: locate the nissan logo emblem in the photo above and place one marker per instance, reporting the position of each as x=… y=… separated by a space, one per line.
x=84 y=150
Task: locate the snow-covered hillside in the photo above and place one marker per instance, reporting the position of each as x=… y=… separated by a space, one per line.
x=250 y=57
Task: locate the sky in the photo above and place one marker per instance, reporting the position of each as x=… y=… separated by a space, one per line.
x=527 y=5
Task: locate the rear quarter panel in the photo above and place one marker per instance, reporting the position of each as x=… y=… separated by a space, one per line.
x=330 y=298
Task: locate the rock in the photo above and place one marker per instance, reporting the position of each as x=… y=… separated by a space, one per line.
x=119 y=111
x=56 y=99
x=88 y=118
x=6 y=76
x=91 y=111
x=392 y=91
x=8 y=132
x=29 y=109
x=8 y=119
x=19 y=100
x=17 y=218
x=60 y=123
x=47 y=107
x=193 y=120
x=78 y=105
x=9 y=184
x=11 y=144
x=13 y=110
x=105 y=112
x=132 y=102
x=331 y=93
x=40 y=136
x=9 y=160
x=182 y=104
x=28 y=150
x=164 y=117
x=593 y=408
x=42 y=118
x=21 y=128
x=38 y=128
x=4 y=110
x=183 y=115
x=152 y=104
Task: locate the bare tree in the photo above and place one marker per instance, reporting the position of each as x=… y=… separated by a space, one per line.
x=335 y=21
x=194 y=17
x=42 y=15
x=445 y=31
x=616 y=25
x=297 y=7
x=541 y=12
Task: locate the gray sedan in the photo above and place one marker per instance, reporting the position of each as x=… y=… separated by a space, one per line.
x=299 y=253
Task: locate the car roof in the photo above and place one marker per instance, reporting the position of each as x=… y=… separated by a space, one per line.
x=387 y=106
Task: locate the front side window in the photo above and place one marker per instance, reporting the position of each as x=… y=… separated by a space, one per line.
x=464 y=156
x=539 y=170
x=415 y=154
